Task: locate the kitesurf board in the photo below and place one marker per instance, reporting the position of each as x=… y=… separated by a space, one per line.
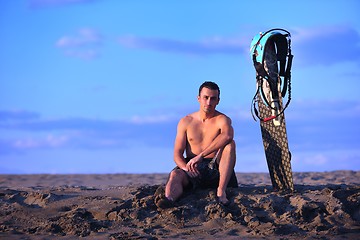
x=276 y=148
x=273 y=131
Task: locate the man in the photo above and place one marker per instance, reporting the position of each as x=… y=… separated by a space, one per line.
x=206 y=136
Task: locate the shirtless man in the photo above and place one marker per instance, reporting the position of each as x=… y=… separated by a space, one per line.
x=203 y=135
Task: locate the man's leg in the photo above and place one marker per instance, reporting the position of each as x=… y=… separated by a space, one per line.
x=174 y=188
x=226 y=168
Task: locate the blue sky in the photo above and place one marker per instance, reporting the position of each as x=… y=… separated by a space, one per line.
x=98 y=86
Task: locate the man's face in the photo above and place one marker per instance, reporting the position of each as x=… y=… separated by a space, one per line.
x=208 y=99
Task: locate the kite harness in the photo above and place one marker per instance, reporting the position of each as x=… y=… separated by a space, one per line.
x=280 y=39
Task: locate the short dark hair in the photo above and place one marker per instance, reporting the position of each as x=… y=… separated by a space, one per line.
x=210 y=85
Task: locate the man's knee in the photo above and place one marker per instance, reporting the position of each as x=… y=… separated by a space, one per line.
x=230 y=147
x=177 y=175
x=229 y=153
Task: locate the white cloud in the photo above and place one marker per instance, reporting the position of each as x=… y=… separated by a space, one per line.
x=326 y=45
x=26 y=143
x=153 y=119
x=315 y=129
x=85 y=44
x=206 y=46
x=317 y=159
x=55 y=141
x=50 y=141
x=84 y=37
x=305 y=34
x=52 y=3
x=329 y=160
x=86 y=54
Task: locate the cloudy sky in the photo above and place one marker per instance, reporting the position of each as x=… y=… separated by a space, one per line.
x=98 y=86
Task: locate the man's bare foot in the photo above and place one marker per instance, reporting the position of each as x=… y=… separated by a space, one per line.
x=221 y=198
x=161 y=201
x=223 y=201
x=164 y=203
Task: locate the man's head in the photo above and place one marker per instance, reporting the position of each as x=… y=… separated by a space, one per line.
x=209 y=96
x=211 y=86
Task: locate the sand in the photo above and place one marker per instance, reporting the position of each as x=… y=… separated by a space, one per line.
x=121 y=206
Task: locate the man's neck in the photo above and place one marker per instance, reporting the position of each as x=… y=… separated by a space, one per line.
x=206 y=116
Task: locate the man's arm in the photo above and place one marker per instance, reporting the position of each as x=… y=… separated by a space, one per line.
x=226 y=135
x=180 y=144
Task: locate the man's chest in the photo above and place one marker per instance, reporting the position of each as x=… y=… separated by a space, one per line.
x=202 y=133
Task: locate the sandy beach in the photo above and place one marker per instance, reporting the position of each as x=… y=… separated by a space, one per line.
x=325 y=205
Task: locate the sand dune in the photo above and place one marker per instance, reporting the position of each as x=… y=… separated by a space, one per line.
x=121 y=206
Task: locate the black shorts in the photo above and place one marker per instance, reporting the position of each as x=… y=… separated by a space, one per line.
x=209 y=175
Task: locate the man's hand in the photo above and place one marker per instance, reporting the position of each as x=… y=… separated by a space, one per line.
x=191 y=166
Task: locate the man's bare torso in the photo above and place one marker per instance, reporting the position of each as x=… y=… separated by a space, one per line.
x=200 y=134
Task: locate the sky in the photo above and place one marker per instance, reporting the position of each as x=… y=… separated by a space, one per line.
x=98 y=86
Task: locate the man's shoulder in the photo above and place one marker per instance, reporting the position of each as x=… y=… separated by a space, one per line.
x=223 y=118
x=221 y=115
x=188 y=118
